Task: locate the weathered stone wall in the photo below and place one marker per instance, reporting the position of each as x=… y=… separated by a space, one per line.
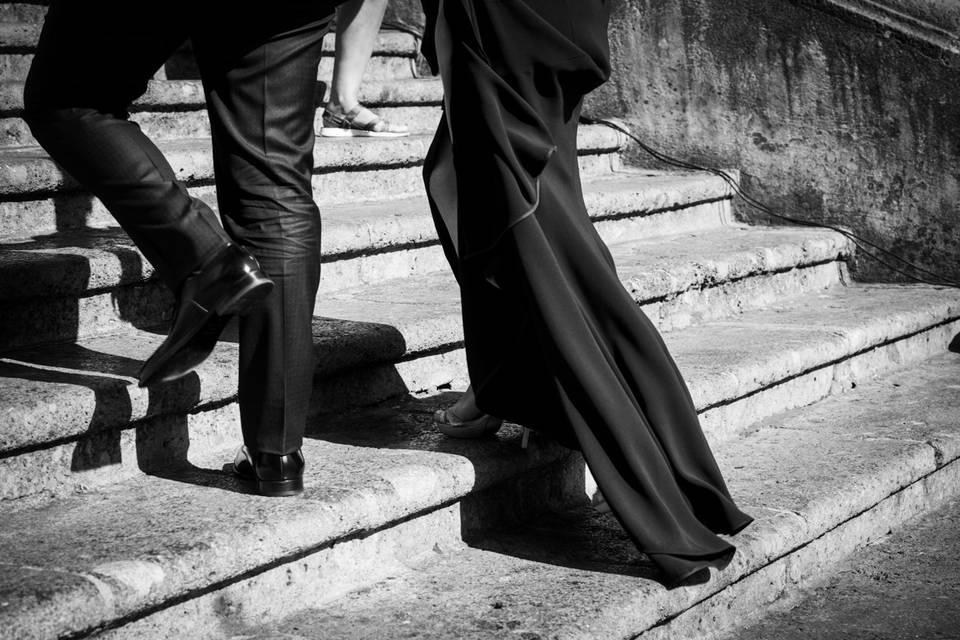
x=830 y=117
x=405 y=13
x=827 y=118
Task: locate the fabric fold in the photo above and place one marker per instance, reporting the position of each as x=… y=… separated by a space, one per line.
x=553 y=340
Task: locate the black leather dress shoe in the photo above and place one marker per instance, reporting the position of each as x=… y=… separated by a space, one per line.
x=272 y=474
x=229 y=283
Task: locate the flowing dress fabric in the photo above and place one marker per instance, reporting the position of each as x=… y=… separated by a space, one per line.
x=553 y=340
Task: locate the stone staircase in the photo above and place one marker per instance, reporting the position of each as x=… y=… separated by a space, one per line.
x=831 y=404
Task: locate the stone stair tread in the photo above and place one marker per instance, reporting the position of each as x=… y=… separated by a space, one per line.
x=575 y=574
x=58 y=392
x=19 y=35
x=800 y=474
x=28 y=169
x=169 y=535
x=20 y=12
x=179 y=95
x=23 y=36
x=651 y=269
x=732 y=357
x=76 y=262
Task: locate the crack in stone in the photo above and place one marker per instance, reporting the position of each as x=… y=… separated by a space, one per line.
x=939 y=457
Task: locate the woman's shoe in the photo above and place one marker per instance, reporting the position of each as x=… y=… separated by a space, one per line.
x=451 y=425
x=358 y=122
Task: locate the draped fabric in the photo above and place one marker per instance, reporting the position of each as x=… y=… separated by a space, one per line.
x=553 y=340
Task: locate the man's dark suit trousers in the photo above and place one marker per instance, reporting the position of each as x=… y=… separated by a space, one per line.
x=259 y=71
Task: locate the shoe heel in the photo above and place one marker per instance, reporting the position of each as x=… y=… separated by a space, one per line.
x=247 y=299
x=279 y=488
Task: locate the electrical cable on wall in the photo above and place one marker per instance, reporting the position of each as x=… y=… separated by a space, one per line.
x=934 y=278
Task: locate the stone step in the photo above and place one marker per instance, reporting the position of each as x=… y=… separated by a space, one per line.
x=822 y=483
x=22 y=12
x=82 y=284
x=23 y=35
x=78 y=284
x=394 y=56
x=903 y=585
x=71 y=415
x=173 y=109
x=185 y=554
x=666 y=273
x=185 y=95
x=37 y=197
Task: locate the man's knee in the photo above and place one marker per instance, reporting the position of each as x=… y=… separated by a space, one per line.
x=44 y=108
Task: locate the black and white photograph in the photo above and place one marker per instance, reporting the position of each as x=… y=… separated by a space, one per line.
x=480 y=320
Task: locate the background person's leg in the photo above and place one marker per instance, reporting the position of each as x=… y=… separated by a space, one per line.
x=93 y=59
x=358 y=23
x=261 y=87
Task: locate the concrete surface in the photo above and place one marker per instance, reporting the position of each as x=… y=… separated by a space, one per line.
x=393 y=58
x=743 y=368
x=23 y=35
x=77 y=261
x=804 y=475
x=29 y=170
x=191 y=527
x=383 y=175
x=22 y=12
x=903 y=585
x=194 y=123
x=830 y=117
x=821 y=482
x=176 y=108
x=167 y=95
x=362 y=225
x=71 y=292
x=81 y=283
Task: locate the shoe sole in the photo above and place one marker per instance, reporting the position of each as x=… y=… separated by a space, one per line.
x=359 y=133
x=242 y=302
x=269 y=488
x=272 y=488
x=280 y=488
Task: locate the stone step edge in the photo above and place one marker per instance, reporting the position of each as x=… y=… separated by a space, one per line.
x=22 y=37
x=126 y=609
x=721 y=611
x=342 y=346
x=782 y=551
x=187 y=95
x=359 y=513
x=28 y=173
x=606 y=200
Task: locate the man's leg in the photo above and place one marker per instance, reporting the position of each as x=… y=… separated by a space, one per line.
x=93 y=59
x=262 y=102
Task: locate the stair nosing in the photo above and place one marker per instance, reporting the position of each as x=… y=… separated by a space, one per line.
x=28 y=171
x=907 y=464
x=353 y=228
x=389 y=344
x=202 y=569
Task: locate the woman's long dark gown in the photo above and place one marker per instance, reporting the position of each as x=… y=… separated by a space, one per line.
x=553 y=340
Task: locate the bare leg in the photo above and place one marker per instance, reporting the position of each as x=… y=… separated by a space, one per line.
x=358 y=22
x=465 y=408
